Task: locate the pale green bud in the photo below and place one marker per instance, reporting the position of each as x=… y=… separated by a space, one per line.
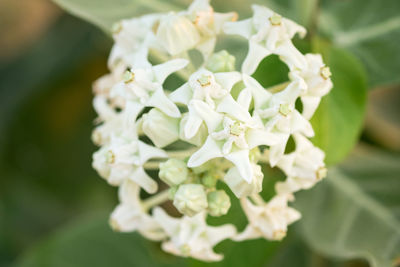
x=190 y=199
x=160 y=128
x=173 y=172
x=172 y=192
x=209 y=180
x=218 y=203
x=239 y=186
x=221 y=62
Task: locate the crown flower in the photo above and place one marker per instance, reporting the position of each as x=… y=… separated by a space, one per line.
x=201 y=146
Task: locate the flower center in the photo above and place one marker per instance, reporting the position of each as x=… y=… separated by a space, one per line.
x=236 y=128
x=275 y=19
x=204 y=80
x=128 y=76
x=325 y=73
x=284 y=109
x=110 y=157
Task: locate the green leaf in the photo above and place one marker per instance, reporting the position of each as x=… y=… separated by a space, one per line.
x=371 y=30
x=104 y=13
x=91 y=242
x=339 y=118
x=355 y=212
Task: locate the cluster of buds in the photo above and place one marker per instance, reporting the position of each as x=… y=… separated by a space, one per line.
x=225 y=122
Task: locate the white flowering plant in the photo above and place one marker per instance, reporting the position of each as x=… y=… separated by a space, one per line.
x=225 y=122
x=189 y=132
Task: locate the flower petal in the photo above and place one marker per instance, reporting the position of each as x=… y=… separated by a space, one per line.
x=210 y=117
x=244 y=98
x=260 y=95
x=242 y=162
x=140 y=177
x=257 y=137
x=162 y=71
x=147 y=152
x=182 y=95
x=243 y=28
x=229 y=106
x=163 y=103
x=227 y=79
x=208 y=151
x=255 y=55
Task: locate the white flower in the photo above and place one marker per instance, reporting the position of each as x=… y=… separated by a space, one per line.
x=268 y=33
x=240 y=187
x=160 y=128
x=226 y=126
x=143 y=88
x=279 y=113
x=305 y=166
x=112 y=121
x=316 y=75
x=195 y=28
x=130 y=215
x=269 y=220
x=204 y=86
x=177 y=33
x=191 y=236
x=190 y=199
x=123 y=159
x=132 y=39
x=239 y=134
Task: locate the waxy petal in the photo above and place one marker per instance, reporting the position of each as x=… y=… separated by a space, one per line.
x=208 y=151
x=163 y=103
x=242 y=162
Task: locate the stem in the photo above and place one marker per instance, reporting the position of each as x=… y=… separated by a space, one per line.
x=277 y=88
x=155 y=200
x=181 y=154
x=151 y=165
x=257 y=199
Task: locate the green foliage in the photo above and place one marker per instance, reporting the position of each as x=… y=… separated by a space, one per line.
x=354 y=213
x=371 y=30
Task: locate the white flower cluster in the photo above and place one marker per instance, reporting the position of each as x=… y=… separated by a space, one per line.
x=226 y=121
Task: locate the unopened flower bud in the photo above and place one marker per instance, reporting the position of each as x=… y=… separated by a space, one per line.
x=239 y=186
x=190 y=199
x=173 y=172
x=209 y=180
x=221 y=62
x=218 y=203
x=160 y=128
x=177 y=33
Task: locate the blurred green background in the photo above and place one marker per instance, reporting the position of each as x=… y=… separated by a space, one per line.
x=54 y=207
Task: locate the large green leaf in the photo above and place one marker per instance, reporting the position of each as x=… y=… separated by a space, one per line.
x=355 y=212
x=339 y=118
x=371 y=30
x=104 y=13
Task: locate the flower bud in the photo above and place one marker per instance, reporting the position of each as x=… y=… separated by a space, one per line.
x=190 y=199
x=239 y=186
x=218 y=203
x=160 y=128
x=209 y=180
x=221 y=62
x=173 y=172
x=177 y=33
